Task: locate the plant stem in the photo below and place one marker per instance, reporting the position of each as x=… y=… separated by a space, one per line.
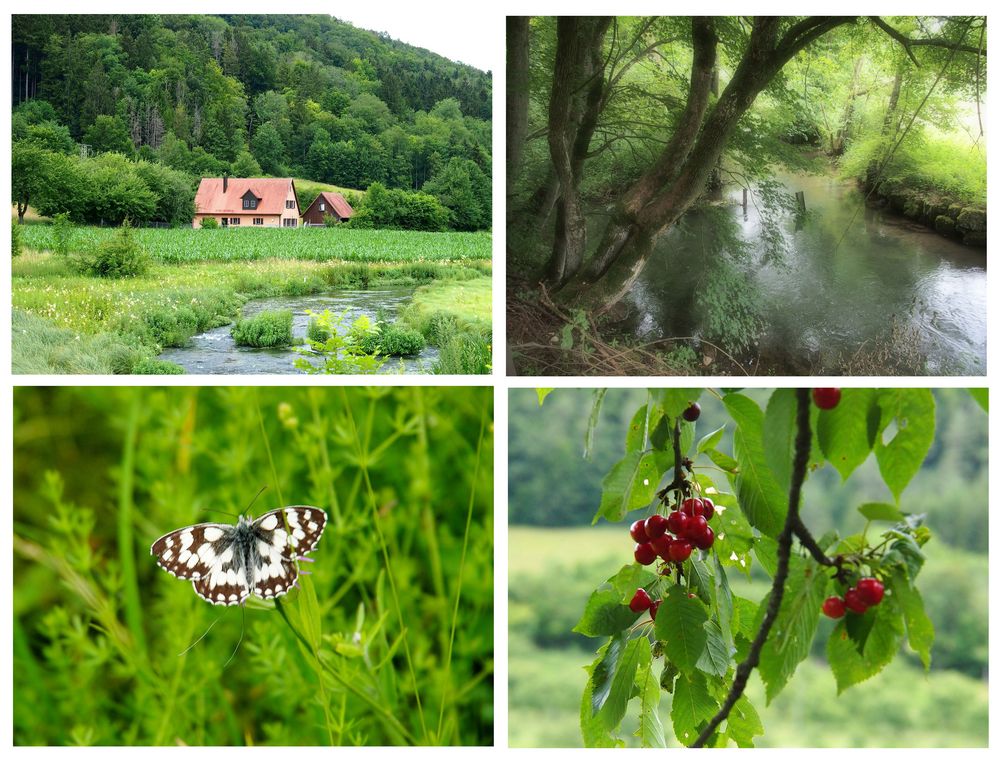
x=803 y=441
x=126 y=550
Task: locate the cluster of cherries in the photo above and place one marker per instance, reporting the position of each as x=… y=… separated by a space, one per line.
x=673 y=537
x=859 y=598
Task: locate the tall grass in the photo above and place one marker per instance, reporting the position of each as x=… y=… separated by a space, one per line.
x=308 y=244
x=388 y=641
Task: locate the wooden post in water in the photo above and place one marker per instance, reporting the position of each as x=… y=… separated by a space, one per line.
x=744 y=200
x=800 y=198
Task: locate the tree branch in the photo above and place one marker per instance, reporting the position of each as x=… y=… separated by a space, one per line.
x=908 y=42
x=803 y=441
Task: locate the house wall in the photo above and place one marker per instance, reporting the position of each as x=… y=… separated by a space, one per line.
x=246 y=219
x=290 y=213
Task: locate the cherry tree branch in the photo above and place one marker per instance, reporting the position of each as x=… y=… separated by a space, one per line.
x=803 y=442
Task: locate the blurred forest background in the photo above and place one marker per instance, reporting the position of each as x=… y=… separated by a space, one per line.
x=399 y=606
x=556 y=560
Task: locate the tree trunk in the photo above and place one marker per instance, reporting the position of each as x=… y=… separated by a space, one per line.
x=839 y=141
x=577 y=87
x=517 y=96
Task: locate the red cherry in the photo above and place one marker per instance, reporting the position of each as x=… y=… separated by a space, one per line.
x=655 y=607
x=834 y=607
x=656 y=525
x=708 y=508
x=676 y=522
x=826 y=398
x=680 y=550
x=638 y=531
x=640 y=601
x=870 y=591
x=854 y=602
x=692 y=507
x=662 y=545
x=644 y=553
x=692 y=412
x=695 y=526
x=704 y=539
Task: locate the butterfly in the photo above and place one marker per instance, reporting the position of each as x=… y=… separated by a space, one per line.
x=227 y=563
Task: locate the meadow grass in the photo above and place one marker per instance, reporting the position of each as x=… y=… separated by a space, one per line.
x=456 y=316
x=171 y=303
x=174 y=246
x=388 y=641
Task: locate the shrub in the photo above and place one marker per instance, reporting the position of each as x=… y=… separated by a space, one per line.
x=210 y=222
x=156 y=366
x=392 y=340
x=62 y=234
x=465 y=353
x=121 y=256
x=317 y=331
x=268 y=329
x=16 y=240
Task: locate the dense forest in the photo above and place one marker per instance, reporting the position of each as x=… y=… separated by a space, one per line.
x=134 y=108
x=623 y=132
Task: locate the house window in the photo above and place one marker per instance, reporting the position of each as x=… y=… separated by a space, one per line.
x=258 y=221
x=225 y=221
x=289 y=222
x=289 y=204
x=250 y=203
x=322 y=206
x=234 y=221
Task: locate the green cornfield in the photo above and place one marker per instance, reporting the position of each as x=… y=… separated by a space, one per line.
x=389 y=640
x=314 y=244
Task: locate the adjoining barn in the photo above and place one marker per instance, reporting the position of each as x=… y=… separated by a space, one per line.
x=257 y=202
x=331 y=204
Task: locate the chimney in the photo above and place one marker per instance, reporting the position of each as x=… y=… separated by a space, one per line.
x=225 y=183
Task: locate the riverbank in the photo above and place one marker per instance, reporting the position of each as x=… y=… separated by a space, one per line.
x=64 y=322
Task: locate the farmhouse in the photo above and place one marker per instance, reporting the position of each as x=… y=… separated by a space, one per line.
x=256 y=202
x=327 y=204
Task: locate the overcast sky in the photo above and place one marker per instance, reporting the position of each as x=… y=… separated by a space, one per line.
x=443 y=32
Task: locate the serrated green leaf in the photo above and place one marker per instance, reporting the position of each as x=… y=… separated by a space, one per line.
x=680 y=625
x=905 y=552
x=912 y=410
x=881 y=512
x=766 y=551
x=613 y=710
x=543 y=393
x=595 y=415
x=702 y=582
x=850 y=667
x=743 y=723
x=667 y=676
x=602 y=671
x=640 y=426
x=779 y=434
x=607 y=612
x=725 y=463
x=674 y=401
x=631 y=484
x=711 y=439
x=792 y=635
x=760 y=496
x=982 y=396
x=595 y=734
x=693 y=706
x=723 y=602
x=919 y=628
x=744 y=614
x=846 y=433
x=715 y=658
x=661 y=438
x=650 y=730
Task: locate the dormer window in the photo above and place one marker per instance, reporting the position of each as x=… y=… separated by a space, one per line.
x=322 y=206
x=250 y=201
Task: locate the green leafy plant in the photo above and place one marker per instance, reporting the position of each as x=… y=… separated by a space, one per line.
x=119 y=257
x=341 y=351
x=63 y=232
x=388 y=339
x=209 y=222
x=16 y=239
x=674 y=628
x=268 y=329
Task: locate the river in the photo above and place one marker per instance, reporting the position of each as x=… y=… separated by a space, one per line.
x=215 y=351
x=836 y=294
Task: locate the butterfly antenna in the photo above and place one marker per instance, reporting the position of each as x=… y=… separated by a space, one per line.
x=243 y=626
x=254 y=499
x=219 y=511
x=202 y=636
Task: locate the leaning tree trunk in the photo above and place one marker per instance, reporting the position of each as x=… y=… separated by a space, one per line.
x=662 y=195
x=844 y=129
x=577 y=88
x=517 y=97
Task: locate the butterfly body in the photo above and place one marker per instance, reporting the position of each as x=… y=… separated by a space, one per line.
x=227 y=563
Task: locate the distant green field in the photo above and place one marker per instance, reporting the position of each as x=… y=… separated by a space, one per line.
x=552 y=572
x=312 y=244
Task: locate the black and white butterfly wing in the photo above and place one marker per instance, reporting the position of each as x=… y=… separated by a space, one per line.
x=283 y=535
x=208 y=555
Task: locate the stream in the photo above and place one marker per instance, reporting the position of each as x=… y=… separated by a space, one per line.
x=215 y=351
x=836 y=293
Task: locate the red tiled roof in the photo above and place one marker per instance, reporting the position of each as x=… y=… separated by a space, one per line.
x=272 y=194
x=338 y=203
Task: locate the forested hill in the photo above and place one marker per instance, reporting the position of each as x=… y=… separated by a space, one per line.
x=306 y=96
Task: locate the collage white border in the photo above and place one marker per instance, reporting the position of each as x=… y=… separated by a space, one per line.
x=487 y=19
